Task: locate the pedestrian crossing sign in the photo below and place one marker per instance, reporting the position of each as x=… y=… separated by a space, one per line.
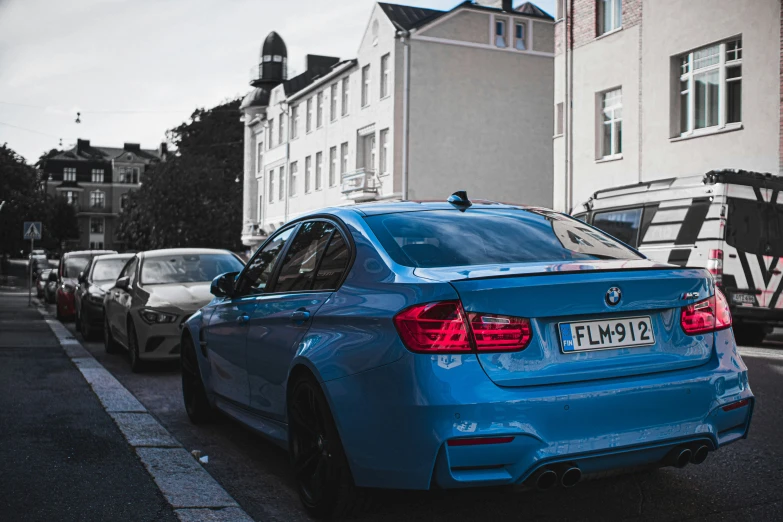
x=32 y=229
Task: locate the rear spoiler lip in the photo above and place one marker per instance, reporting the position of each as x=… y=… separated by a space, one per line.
x=570 y=272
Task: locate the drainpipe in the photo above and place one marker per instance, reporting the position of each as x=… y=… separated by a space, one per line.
x=287 y=164
x=406 y=64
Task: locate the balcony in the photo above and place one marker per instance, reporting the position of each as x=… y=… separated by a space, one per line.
x=360 y=185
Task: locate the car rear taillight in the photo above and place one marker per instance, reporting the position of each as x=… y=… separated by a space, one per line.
x=715 y=265
x=444 y=327
x=706 y=316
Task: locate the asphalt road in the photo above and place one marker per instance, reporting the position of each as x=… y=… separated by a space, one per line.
x=739 y=482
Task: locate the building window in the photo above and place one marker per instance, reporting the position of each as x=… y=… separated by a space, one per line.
x=129 y=175
x=281 y=129
x=123 y=202
x=71 y=197
x=385 y=75
x=293 y=170
x=260 y=160
x=281 y=184
x=365 y=85
x=500 y=33
x=271 y=132
x=97 y=175
x=96 y=225
x=344 y=158
x=611 y=134
x=69 y=174
x=319 y=111
x=260 y=209
x=710 y=87
x=271 y=175
x=520 y=36
x=96 y=245
x=309 y=116
x=610 y=16
x=559 y=115
x=97 y=199
x=295 y=122
x=383 y=166
x=346 y=87
x=308 y=168
x=332 y=166
x=333 y=102
x=319 y=161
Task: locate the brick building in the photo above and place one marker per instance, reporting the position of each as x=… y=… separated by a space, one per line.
x=96 y=180
x=652 y=89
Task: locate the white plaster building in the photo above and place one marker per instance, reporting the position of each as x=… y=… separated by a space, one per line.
x=435 y=101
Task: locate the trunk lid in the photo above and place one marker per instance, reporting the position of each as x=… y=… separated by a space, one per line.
x=551 y=294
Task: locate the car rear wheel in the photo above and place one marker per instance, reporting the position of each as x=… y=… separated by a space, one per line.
x=323 y=478
x=193 y=393
x=109 y=344
x=136 y=364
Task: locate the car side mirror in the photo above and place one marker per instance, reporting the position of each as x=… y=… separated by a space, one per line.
x=122 y=283
x=52 y=277
x=223 y=285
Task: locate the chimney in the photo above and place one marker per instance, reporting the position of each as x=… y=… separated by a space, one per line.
x=508 y=5
x=163 y=151
x=82 y=146
x=131 y=147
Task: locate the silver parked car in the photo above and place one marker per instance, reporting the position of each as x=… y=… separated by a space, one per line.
x=154 y=294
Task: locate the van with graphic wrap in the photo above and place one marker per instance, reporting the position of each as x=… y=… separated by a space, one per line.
x=730 y=222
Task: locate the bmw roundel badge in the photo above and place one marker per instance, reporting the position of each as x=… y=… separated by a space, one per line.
x=613 y=296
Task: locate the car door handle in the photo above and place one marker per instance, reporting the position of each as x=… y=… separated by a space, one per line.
x=300 y=315
x=242 y=319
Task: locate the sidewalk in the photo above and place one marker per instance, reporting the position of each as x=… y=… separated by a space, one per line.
x=62 y=456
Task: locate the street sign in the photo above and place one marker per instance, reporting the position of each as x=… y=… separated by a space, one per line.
x=32 y=229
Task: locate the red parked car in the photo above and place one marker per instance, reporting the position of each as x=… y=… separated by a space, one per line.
x=71 y=265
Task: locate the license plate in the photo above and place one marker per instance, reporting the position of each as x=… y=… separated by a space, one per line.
x=606 y=334
x=743 y=299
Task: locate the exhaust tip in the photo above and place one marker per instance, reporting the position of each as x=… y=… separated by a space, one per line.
x=683 y=457
x=700 y=455
x=546 y=479
x=570 y=477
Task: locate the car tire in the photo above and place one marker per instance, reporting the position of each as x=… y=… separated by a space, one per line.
x=193 y=392
x=136 y=364
x=323 y=477
x=749 y=335
x=109 y=344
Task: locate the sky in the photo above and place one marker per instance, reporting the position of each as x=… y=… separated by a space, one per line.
x=135 y=68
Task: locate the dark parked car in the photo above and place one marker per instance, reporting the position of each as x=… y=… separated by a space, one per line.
x=96 y=279
x=71 y=265
x=50 y=287
x=41 y=280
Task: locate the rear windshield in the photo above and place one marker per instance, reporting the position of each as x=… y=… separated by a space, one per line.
x=187 y=268
x=107 y=269
x=443 y=238
x=755 y=227
x=75 y=265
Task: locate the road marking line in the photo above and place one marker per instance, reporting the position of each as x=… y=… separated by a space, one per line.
x=762 y=353
x=193 y=493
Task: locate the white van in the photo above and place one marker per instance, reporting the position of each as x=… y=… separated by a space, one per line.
x=730 y=222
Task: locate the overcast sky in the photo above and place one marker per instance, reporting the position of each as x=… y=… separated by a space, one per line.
x=156 y=60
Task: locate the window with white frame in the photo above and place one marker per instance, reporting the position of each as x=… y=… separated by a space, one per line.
x=309 y=116
x=294 y=122
x=344 y=158
x=319 y=160
x=710 y=87
x=383 y=166
x=281 y=129
x=260 y=160
x=96 y=225
x=365 y=85
x=97 y=199
x=124 y=202
x=319 y=111
x=281 y=184
x=308 y=169
x=346 y=92
x=69 y=174
x=332 y=166
x=271 y=175
x=559 y=115
x=97 y=175
x=271 y=133
x=500 y=33
x=610 y=15
x=333 y=102
x=385 y=75
x=611 y=131
x=520 y=36
x=293 y=170
x=71 y=197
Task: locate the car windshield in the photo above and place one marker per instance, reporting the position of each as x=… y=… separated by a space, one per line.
x=187 y=268
x=107 y=269
x=75 y=265
x=444 y=238
x=755 y=227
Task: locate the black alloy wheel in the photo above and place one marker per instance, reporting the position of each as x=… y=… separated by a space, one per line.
x=321 y=469
x=136 y=364
x=193 y=393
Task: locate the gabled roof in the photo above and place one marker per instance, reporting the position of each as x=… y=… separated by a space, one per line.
x=531 y=9
x=406 y=18
x=97 y=153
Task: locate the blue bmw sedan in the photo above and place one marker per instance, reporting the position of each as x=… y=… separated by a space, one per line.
x=418 y=345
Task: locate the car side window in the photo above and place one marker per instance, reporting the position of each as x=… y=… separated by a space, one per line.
x=259 y=269
x=301 y=261
x=129 y=270
x=333 y=265
x=622 y=224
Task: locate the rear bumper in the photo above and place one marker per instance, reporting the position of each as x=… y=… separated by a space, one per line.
x=396 y=420
x=757 y=315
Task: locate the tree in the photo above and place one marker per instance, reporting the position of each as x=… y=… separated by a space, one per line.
x=24 y=199
x=192 y=199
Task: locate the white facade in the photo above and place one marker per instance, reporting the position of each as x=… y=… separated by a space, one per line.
x=439 y=108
